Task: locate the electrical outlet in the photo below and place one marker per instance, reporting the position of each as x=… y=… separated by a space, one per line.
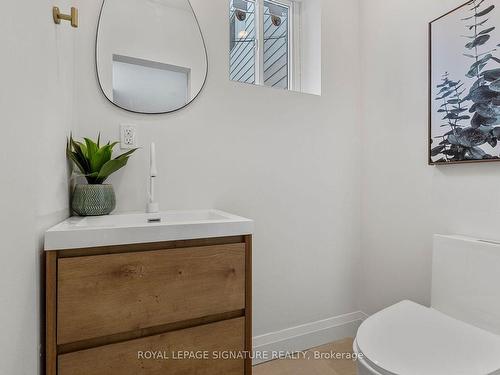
x=128 y=137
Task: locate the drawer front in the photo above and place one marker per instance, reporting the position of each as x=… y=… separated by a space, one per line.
x=135 y=357
x=110 y=294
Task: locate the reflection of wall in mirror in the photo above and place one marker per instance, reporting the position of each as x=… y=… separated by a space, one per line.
x=158 y=31
x=149 y=86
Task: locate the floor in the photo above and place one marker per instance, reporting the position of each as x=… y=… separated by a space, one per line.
x=311 y=366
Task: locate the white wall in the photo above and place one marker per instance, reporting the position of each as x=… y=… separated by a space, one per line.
x=405 y=201
x=292 y=164
x=36 y=97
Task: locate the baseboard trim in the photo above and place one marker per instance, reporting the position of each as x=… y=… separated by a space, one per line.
x=307 y=336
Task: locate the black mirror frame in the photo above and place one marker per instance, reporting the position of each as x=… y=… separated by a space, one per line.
x=151 y=113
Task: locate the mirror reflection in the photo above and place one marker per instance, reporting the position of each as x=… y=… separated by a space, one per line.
x=150 y=54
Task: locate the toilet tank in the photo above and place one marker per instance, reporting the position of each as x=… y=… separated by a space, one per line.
x=466 y=280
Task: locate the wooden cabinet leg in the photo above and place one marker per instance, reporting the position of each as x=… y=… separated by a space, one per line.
x=50 y=313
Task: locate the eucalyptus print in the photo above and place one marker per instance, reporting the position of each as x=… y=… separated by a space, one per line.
x=469 y=107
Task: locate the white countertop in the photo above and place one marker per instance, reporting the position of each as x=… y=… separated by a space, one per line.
x=134 y=228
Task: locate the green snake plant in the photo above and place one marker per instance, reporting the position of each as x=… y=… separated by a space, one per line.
x=95 y=162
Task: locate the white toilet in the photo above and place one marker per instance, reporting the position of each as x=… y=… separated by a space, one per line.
x=458 y=335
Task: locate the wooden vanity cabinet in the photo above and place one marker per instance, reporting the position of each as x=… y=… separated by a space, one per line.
x=163 y=308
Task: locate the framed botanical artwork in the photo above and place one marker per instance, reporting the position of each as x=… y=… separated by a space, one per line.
x=464 y=89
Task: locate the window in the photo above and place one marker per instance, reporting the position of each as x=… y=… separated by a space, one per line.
x=262 y=42
x=243 y=42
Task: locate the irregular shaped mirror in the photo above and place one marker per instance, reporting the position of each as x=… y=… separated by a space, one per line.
x=150 y=54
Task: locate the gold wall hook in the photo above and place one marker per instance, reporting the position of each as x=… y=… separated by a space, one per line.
x=58 y=16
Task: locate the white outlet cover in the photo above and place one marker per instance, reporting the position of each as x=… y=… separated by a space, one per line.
x=128 y=136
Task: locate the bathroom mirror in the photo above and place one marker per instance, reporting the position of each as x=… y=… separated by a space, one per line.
x=150 y=54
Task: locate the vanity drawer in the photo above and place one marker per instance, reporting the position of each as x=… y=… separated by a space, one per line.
x=129 y=358
x=105 y=295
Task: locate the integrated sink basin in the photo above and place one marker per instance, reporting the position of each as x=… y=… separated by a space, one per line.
x=121 y=229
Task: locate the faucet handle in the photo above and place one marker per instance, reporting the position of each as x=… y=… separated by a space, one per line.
x=153 y=169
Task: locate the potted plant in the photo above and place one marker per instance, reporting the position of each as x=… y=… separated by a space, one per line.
x=96 y=165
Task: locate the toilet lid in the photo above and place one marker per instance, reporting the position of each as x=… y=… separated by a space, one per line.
x=409 y=339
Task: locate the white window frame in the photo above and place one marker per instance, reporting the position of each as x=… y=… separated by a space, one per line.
x=293 y=42
x=295 y=46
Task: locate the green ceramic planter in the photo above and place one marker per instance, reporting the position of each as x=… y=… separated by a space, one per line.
x=93 y=200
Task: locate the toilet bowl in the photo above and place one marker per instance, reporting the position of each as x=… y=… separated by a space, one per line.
x=458 y=335
x=409 y=339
